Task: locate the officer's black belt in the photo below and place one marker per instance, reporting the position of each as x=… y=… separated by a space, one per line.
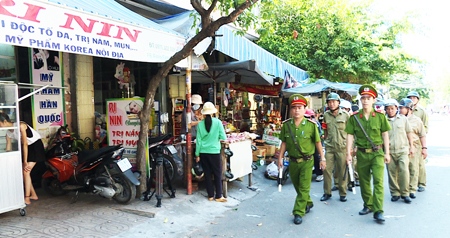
x=299 y=160
x=370 y=150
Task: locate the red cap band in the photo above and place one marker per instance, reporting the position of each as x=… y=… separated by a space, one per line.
x=370 y=93
x=298 y=101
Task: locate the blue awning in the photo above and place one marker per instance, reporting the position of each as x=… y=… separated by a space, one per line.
x=112 y=9
x=323 y=85
x=241 y=48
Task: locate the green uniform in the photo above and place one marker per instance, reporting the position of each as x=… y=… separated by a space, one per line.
x=335 y=146
x=418 y=131
x=422 y=114
x=370 y=163
x=300 y=171
x=398 y=168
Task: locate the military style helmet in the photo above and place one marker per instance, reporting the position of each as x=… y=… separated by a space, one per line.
x=413 y=94
x=391 y=102
x=406 y=102
x=333 y=96
x=379 y=105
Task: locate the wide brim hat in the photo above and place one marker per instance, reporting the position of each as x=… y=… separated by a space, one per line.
x=209 y=108
x=368 y=90
x=196 y=99
x=298 y=99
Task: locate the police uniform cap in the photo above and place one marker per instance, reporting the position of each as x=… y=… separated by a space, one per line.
x=368 y=89
x=298 y=99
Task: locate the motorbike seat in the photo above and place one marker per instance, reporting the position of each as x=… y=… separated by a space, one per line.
x=87 y=155
x=158 y=138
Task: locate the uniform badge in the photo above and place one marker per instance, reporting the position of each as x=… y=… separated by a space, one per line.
x=366 y=90
x=295 y=98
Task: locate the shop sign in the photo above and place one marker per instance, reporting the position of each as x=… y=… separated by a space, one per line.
x=258 y=89
x=48 y=104
x=124 y=126
x=37 y=24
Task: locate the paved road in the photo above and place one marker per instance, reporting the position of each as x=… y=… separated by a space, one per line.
x=268 y=214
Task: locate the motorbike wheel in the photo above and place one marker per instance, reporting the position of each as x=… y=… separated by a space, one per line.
x=285 y=176
x=127 y=189
x=52 y=186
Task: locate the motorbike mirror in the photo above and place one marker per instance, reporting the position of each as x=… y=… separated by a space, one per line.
x=254 y=148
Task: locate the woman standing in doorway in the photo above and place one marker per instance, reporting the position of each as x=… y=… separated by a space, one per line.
x=32 y=151
x=209 y=133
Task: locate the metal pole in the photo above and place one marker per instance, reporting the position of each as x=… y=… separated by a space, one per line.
x=188 y=121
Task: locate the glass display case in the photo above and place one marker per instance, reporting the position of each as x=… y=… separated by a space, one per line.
x=11 y=181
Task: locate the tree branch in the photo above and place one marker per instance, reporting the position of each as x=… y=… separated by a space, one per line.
x=211 y=8
x=198 y=7
x=235 y=14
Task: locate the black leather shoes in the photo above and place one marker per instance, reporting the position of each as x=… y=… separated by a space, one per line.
x=350 y=189
x=343 y=198
x=395 y=198
x=365 y=211
x=412 y=195
x=406 y=199
x=378 y=217
x=325 y=197
x=297 y=219
x=420 y=189
x=308 y=208
x=357 y=183
x=334 y=188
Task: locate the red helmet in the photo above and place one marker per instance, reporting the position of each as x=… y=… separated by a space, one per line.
x=309 y=113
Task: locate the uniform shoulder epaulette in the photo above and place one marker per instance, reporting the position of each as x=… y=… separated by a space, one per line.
x=354 y=113
x=380 y=111
x=286 y=120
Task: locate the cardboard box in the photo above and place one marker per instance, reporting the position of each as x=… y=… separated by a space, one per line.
x=270 y=150
x=259 y=151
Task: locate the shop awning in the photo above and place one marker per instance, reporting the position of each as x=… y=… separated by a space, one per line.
x=241 y=48
x=102 y=28
x=238 y=71
x=323 y=85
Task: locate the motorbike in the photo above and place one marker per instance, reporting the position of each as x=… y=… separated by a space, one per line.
x=104 y=172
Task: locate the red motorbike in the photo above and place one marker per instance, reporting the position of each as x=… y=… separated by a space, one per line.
x=104 y=171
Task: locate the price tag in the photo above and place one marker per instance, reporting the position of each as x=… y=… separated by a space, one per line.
x=124 y=165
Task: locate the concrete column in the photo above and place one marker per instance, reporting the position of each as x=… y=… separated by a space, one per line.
x=84 y=74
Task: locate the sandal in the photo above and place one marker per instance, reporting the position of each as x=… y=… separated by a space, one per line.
x=211 y=198
x=222 y=199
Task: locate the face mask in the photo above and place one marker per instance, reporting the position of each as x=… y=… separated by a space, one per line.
x=196 y=107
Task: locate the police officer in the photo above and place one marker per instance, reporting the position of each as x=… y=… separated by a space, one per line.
x=300 y=137
x=419 y=142
x=422 y=114
x=370 y=157
x=401 y=143
x=334 y=122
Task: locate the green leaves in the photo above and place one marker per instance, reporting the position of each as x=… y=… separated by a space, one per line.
x=338 y=40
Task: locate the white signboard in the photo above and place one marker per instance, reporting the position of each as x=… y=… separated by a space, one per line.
x=48 y=105
x=37 y=24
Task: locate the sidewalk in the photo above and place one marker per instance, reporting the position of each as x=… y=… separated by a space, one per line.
x=93 y=216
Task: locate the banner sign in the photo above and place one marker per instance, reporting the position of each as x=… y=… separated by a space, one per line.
x=48 y=104
x=37 y=24
x=123 y=125
x=258 y=89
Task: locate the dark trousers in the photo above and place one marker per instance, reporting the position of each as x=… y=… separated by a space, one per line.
x=317 y=170
x=212 y=164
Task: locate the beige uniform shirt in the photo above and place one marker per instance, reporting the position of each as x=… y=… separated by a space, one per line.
x=335 y=126
x=418 y=130
x=398 y=135
x=422 y=114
